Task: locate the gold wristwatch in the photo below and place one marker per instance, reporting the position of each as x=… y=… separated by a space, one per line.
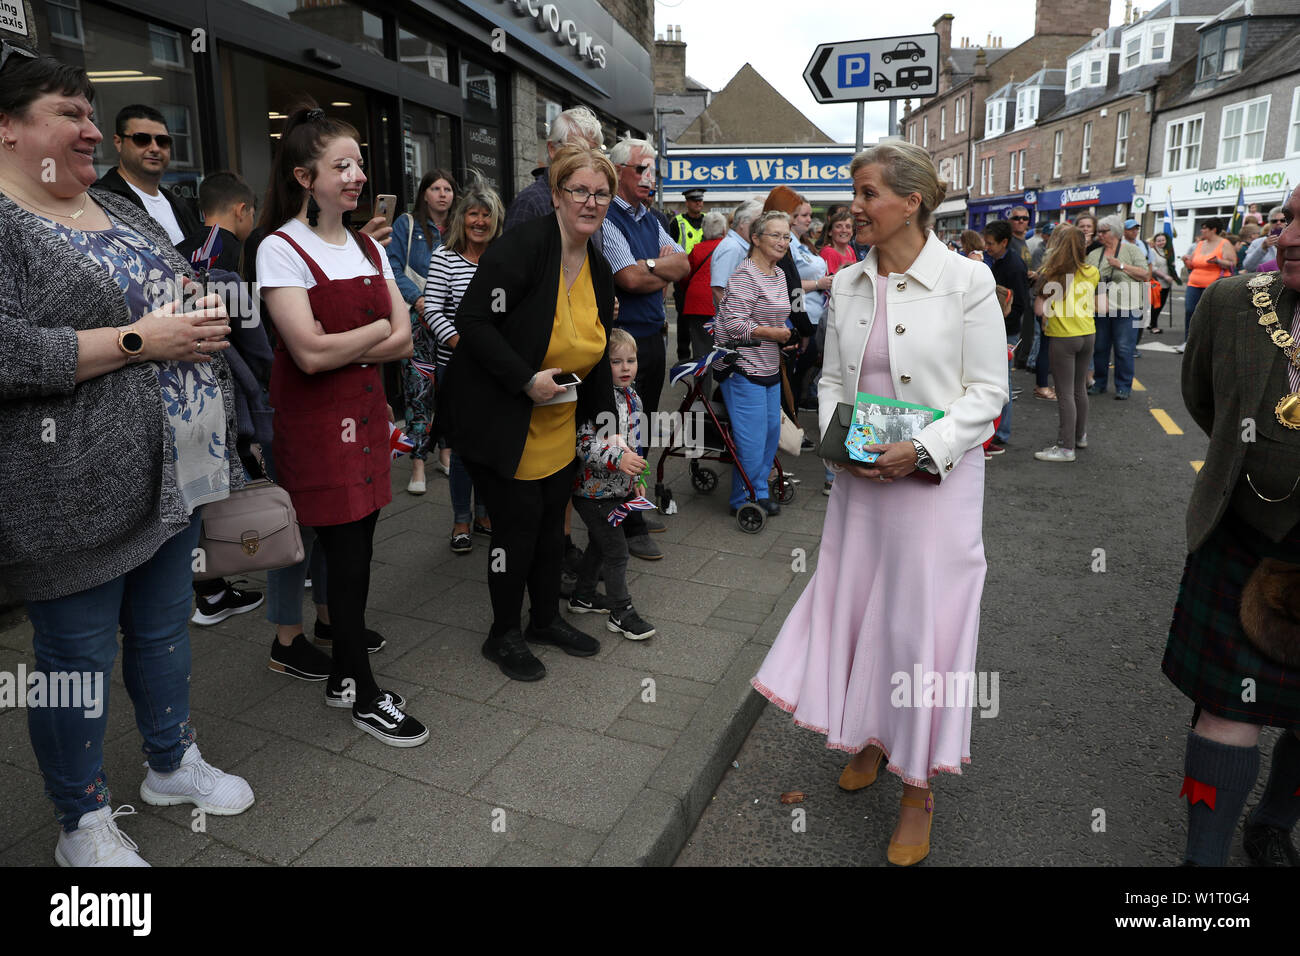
x=130 y=341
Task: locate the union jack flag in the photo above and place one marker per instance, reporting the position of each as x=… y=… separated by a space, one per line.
x=398 y=443
x=427 y=371
x=639 y=503
x=206 y=254
x=697 y=367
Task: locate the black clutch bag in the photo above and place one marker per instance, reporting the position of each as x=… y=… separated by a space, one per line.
x=832 y=444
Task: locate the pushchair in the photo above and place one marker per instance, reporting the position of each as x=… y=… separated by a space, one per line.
x=717 y=444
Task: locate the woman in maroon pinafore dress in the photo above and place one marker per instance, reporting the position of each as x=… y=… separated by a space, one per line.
x=331 y=294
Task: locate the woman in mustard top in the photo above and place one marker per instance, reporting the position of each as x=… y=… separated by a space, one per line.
x=538 y=309
x=1068 y=289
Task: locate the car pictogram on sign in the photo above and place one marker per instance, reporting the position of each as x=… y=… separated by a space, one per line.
x=907 y=50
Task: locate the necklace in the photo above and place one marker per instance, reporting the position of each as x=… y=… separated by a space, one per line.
x=1288 y=408
x=85 y=198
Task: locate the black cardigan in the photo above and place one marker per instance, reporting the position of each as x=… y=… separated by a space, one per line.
x=505 y=321
x=186 y=218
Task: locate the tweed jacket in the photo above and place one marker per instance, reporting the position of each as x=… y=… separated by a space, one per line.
x=1226 y=367
x=86 y=495
x=947 y=345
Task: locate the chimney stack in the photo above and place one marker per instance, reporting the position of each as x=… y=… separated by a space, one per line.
x=670 y=61
x=943 y=27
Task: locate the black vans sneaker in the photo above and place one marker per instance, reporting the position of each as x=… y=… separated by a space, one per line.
x=325 y=638
x=300 y=659
x=627 y=621
x=224 y=604
x=334 y=697
x=384 y=720
x=595 y=604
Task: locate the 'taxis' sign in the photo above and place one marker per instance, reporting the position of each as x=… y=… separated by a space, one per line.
x=887 y=68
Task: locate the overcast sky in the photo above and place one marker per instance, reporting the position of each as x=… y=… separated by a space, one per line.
x=778 y=37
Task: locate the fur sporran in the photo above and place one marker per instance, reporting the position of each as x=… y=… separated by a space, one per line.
x=1270 y=611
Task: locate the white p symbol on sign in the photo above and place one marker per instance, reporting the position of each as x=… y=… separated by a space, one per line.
x=855 y=69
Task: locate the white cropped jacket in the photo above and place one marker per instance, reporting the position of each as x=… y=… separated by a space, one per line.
x=947 y=345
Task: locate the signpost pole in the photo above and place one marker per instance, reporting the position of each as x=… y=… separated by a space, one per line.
x=859 y=135
x=893 y=118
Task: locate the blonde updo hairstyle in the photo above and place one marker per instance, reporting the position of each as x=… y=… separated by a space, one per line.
x=906 y=169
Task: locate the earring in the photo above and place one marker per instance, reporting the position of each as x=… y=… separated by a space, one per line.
x=11 y=144
x=908 y=222
x=313 y=210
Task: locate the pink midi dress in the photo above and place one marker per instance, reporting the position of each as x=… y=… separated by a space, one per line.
x=895 y=598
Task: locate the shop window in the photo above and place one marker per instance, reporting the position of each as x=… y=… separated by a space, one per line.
x=178 y=125
x=478 y=84
x=423 y=54
x=1243 y=130
x=167 y=47
x=340 y=19
x=63 y=17
x=426 y=145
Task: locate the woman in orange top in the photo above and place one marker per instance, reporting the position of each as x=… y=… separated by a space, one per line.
x=1211 y=258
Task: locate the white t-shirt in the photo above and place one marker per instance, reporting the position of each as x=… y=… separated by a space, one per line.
x=279 y=265
x=161 y=210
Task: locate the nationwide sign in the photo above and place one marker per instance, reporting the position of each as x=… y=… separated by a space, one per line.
x=757 y=170
x=887 y=68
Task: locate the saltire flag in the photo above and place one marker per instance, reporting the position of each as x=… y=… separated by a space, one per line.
x=697 y=367
x=205 y=255
x=639 y=503
x=398 y=443
x=1239 y=214
x=1169 y=217
x=427 y=371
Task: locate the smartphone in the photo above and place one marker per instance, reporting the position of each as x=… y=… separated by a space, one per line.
x=567 y=380
x=386 y=206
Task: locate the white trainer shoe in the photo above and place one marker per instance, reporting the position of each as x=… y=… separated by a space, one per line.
x=197 y=782
x=98 y=842
x=1057 y=452
x=1081 y=442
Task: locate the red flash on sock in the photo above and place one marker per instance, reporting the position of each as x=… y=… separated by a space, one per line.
x=1195 y=790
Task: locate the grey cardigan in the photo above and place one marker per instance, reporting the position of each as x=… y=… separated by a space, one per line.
x=86 y=496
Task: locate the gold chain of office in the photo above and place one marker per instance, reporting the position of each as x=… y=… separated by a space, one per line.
x=1288 y=409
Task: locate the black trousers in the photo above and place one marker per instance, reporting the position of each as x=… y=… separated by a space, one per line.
x=348 y=549
x=650 y=370
x=527 y=543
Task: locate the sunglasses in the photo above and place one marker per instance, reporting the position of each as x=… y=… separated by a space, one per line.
x=144 y=139
x=8 y=49
x=1019 y=218
x=640 y=170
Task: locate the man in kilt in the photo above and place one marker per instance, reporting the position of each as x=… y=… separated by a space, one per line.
x=1241 y=384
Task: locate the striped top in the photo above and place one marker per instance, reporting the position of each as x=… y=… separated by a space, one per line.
x=753 y=299
x=448 y=278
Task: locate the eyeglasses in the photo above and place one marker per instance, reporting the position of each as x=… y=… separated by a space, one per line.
x=582 y=194
x=144 y=139
x=640 y=170
x=1019 y=218
x=1276 y=222
x=778 y=236
x=8 y=49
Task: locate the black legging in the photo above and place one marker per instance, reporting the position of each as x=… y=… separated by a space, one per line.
x=527 y=543
x=348 y=549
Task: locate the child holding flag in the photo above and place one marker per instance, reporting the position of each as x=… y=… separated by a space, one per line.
x=608 y=488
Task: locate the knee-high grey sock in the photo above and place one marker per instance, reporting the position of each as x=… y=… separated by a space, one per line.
x=1281 y=804
x=1231 y=772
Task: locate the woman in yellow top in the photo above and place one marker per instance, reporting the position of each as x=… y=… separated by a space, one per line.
x=1068 y=288
x=537 y=311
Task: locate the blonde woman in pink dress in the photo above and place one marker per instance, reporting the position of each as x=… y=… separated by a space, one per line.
x=896 y=593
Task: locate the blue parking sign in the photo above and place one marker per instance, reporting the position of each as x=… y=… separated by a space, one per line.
x=854 y=69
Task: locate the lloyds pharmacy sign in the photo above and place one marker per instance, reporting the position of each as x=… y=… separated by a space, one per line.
x=551 y=18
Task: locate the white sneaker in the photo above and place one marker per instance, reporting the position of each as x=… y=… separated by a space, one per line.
x=1180 y=349
x=1081 y=442
x=1057 y=452
x=98 y=842
x=197 y=782
x=415 y=487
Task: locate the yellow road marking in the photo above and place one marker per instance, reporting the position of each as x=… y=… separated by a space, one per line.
x=1166 y=422
x=1196 y=466
x=1138 y=386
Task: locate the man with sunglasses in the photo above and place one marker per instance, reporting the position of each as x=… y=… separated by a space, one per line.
x=1261 y=255
x=145 y=151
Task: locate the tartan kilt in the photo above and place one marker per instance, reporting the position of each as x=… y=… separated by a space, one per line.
x=1208 y=655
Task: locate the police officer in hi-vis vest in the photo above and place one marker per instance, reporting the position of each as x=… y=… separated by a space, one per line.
x=686 y=229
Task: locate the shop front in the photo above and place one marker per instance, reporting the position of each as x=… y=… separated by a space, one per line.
x=1100 y=199
x=980 y=214
x=949 y=219
x=1212 y=193
x=428 y=85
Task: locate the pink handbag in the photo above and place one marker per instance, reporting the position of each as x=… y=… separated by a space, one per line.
x=255 y=529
